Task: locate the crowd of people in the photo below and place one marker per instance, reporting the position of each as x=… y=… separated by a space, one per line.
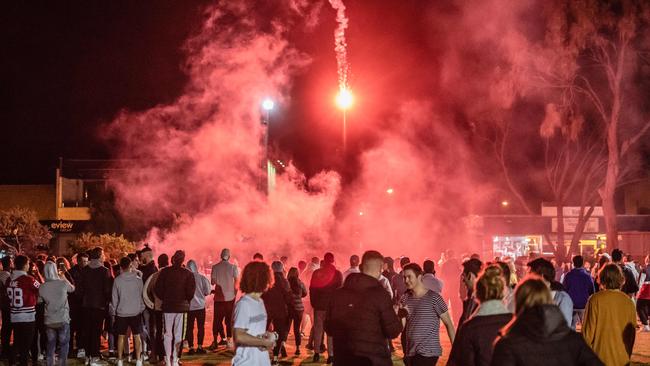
x=498 y=312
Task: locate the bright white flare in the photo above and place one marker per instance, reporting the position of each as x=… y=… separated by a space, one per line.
x=268 y=104
x=344 y=99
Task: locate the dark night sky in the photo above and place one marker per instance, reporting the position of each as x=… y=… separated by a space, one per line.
x=68 y=66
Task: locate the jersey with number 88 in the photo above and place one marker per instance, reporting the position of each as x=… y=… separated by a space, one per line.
x=23 y=295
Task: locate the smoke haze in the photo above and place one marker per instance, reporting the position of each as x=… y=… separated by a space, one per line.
x=196 y=163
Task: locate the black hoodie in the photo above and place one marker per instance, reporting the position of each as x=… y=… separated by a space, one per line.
x=175 y=287
x=360 y=318
x=540 y=336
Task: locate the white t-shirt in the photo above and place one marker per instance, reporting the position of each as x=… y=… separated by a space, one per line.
x=250 y=314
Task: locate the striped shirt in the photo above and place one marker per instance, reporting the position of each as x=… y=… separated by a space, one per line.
x=422 y=329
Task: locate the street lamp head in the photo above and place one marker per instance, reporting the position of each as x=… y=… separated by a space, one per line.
x=344 y=99
x=268 y=104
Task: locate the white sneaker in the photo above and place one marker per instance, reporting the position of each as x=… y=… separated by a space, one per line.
x=231 y=344
x=175 y=362
x=120 y=363
x=167 y=361
x=137 y=363
x=646 y=328
x=81 y=353
x=95 y=362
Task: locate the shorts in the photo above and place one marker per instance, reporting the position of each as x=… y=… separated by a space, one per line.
x=123 y=323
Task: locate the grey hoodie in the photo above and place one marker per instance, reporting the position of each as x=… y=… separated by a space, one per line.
x=127 y=295
x=54 y=293
x=203 y=287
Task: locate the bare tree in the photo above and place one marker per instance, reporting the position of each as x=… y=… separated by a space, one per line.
x=592 y=61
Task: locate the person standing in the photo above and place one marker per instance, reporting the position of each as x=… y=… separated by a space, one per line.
x=277 y=301
x=5 y=331
x=354 y=266
x=475 y=338
x=397 y=283
x=77 y=329
x=324 y=282
x=54 y=294
x=429 y=278
x=308 y=315
x=22 y=292
x=609 y=326
x=224 y=278
x=197 y=310
x=539 y=334
x=630 y=286
x=579 y=285
x=175 y=287
x=561 y=298
x=643 y=297
x=252 y=341
x=360 y=317
x=154 y=303
x=423 y=310
x=297 y=308
x=147 y=264
x=389 y=269
x=95 y=292
x=450 y=269
x=127 y=308
x=147 y=268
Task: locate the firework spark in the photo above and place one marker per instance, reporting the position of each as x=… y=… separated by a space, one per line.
x=341 y=47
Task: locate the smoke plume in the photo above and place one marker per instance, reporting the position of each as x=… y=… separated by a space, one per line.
x=196 y=164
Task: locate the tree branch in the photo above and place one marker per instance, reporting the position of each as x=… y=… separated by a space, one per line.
x=627 y=144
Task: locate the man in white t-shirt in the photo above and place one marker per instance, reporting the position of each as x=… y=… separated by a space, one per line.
x=252 y=341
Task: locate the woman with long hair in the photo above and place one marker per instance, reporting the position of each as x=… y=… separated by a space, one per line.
x=473 y=343
x=297 y=308
x=538 y=335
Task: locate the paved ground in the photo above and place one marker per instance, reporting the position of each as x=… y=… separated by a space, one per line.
x=641 y=354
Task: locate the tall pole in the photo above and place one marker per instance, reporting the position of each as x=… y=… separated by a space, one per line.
x=267 y=105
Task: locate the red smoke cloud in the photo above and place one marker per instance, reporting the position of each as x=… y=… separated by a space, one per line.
x=198 y=159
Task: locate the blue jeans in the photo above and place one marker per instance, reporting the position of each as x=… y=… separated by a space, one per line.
x=62 y=335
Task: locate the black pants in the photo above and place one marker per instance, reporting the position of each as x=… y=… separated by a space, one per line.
x=295 y=317
x=158 y=343
x=94 y=321
x=76 y=329
x=222 y=312
x=280 y=326
x=419 y=360
x=23 y=339
x=643 y=309
x=39 y=343
x=5 y=332
x=199 y=316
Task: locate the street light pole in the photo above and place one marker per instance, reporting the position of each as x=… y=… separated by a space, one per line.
x=268 y=106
